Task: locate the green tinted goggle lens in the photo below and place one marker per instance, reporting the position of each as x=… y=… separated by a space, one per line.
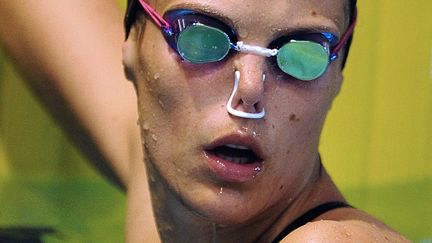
x=304 y=60
x=203 y=44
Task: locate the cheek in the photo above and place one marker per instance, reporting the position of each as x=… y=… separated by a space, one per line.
x=294 y=98
x=298 y=110
x=160 y=92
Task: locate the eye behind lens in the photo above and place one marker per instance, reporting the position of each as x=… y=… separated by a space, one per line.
x=203 y=44
x=303 y=60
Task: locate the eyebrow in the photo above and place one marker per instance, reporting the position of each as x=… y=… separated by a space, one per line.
x=280 y=32
x=207 y=10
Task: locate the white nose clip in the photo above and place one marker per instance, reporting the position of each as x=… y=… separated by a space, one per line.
x=238 y=113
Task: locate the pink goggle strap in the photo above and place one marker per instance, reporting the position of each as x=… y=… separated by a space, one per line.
x=347 y=35
x=159 y=20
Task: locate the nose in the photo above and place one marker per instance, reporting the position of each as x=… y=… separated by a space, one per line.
x=246 y=100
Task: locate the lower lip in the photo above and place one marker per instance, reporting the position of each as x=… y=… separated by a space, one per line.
x=232 y=172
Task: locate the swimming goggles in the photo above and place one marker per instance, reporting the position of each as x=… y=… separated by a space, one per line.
x=199 y=39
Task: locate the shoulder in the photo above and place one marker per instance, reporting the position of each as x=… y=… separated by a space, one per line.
x=343 y=231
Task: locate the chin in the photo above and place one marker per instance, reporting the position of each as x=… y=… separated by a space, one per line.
x=225 y=206
x=199 y=192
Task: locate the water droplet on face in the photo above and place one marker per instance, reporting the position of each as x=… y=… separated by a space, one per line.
x=221 y=191
x=245 y=129
x=145 y=126
x=154 y=137
x=276 y=30
x=156 y=76
x=347 y=233
x=220 y=163
x=161 y=103
x=250 y=131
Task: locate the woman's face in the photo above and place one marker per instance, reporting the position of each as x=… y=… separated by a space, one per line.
x=227 y=168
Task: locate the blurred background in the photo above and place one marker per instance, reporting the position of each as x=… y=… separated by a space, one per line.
x=377 y=142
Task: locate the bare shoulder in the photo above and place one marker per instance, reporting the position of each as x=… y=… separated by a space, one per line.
x=344 y=231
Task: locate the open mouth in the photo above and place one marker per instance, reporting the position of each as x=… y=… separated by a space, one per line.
x=234 y=153
x=235 y=158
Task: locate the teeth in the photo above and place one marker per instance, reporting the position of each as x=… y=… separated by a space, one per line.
x=235 y=146
x=237 y=160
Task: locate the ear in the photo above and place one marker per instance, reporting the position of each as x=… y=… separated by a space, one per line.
x=130 y=54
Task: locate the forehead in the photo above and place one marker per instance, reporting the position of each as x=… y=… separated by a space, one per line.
x=271 y=16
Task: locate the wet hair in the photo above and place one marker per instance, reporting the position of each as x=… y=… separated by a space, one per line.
x=133 y=6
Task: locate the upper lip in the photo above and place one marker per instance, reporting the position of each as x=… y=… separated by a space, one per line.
x=239 y=140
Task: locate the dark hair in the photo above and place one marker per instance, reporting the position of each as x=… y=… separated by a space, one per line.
x=352 y=15
x=134 y=5
x=130 y=16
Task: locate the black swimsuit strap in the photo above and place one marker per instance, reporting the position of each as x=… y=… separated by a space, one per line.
x=309 y=216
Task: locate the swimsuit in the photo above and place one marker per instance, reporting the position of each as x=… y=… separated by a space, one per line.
x=309 y=216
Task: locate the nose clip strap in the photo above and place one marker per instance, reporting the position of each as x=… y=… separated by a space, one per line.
x=238 y=113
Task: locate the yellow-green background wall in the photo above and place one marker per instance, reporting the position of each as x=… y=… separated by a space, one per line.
x=377 y=142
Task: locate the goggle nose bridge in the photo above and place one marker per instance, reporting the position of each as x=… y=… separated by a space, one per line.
x=253 y=49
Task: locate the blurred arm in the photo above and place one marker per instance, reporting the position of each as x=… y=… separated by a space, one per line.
x=70 y=54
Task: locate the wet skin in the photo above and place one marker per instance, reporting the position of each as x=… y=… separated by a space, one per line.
x=182 y=114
